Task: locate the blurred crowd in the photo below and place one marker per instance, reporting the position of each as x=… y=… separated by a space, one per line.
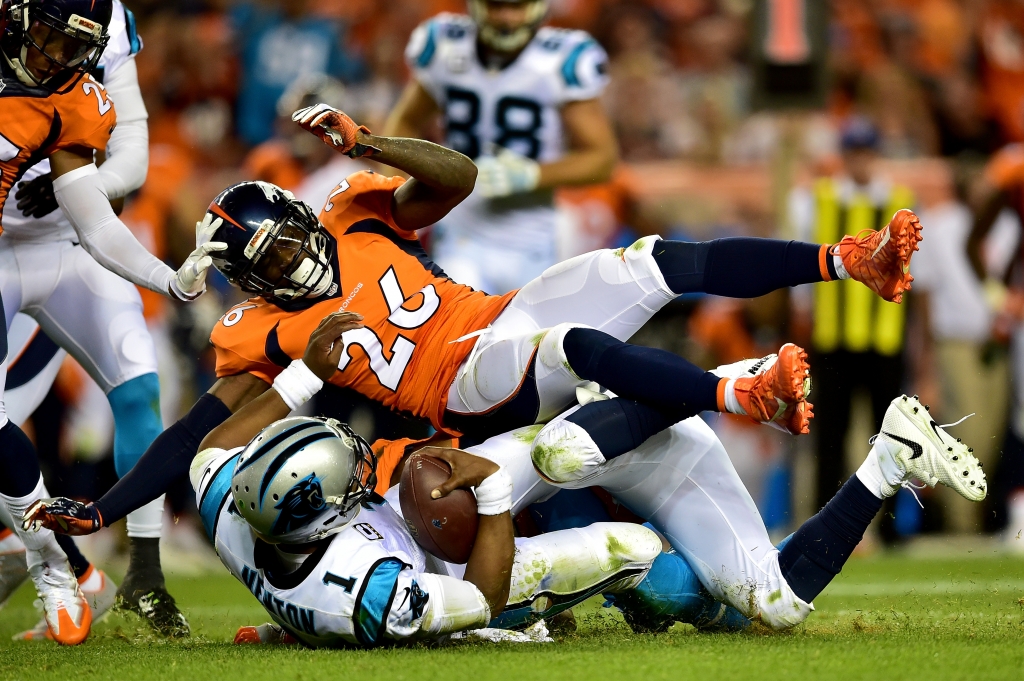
x=910 y=81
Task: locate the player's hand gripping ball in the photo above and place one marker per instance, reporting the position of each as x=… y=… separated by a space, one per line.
x=438 y=506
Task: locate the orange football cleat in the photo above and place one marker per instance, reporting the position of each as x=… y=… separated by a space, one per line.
x=881 y=260
x=65 y=607
x=774 y=389
x=267 y=634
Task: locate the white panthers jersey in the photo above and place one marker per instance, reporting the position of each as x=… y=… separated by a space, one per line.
x=123 y=45
x=517 y=107
x=364 y=586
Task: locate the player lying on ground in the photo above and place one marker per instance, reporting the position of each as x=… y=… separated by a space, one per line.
x=53 y=108
x=289 y=504
x=476 y=364
x=681 y=479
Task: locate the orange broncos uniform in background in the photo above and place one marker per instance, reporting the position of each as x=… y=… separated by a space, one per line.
x=36 y=123
x=408 y=352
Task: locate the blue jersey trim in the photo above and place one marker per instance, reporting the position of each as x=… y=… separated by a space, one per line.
x=134 y=42
x=427 y=54
x=569 y=67
x=213 y=498
x=373 y=603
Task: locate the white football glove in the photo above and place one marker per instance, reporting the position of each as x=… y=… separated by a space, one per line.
x=190 y=281
x=506 y=173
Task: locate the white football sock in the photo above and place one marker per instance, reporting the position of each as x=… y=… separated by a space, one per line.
x=94 y=582
x=880 y=469
x=41 y=546
x=732 y=405
x=145 y=522
x=841 y=272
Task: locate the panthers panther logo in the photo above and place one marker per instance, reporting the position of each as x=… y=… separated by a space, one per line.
x=299 y=505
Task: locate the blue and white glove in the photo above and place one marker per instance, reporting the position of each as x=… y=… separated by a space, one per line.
x=506 y=173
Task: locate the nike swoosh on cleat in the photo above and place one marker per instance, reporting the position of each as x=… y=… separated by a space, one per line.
x=918 y=449
x=935 y=428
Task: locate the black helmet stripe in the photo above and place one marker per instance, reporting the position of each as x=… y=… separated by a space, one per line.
x=275 y=466
x=275 y=441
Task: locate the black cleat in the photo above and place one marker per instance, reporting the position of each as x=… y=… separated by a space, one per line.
x=157 y=607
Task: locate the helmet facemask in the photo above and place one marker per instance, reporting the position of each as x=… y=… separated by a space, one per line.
x=289 y=259
x=508 y=40
x=68 y=49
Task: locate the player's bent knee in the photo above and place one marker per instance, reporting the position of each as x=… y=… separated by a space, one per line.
x=644 y=270
x=564 y=453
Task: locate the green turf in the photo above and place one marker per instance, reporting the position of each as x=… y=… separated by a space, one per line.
x=886 y=617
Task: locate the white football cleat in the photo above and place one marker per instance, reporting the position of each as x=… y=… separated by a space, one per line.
x=927 y=452
x=265 y=634
x=100 y=601
x=13 y=567
x=65 y=608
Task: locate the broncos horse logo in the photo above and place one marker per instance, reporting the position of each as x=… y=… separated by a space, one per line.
x=300 y=504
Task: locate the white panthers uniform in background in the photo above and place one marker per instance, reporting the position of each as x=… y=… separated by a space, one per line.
x=51 y=280
x=370 y=583
x=497 y=245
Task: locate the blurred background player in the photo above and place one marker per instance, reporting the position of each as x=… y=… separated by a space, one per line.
x=55 y=109
x=856 y=339
x=522 y=102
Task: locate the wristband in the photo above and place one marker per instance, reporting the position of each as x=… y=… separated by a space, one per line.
x=297 y=384
x=494 y=494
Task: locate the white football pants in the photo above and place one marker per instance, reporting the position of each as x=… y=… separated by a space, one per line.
x=615 y=291
x=87 y=310
x=683 y=482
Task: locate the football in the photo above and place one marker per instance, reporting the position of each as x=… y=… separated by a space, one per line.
x=444 y=527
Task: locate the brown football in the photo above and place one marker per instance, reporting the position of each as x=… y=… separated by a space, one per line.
x=445 y=527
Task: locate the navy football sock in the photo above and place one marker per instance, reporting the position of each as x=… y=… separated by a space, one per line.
x=817 y=551
x=648 y=375
x=741 y=267
x=19 y=468
x=619 y=425
x=166 y=461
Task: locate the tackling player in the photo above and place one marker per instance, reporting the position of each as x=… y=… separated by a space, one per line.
x=97 y=316
x=472 y=363
x=51 y=108
x=522 y=102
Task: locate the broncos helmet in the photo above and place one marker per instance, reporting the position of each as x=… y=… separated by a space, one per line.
x=301 y=479
x=51 y=44
x=277 y=248
x=507 y=38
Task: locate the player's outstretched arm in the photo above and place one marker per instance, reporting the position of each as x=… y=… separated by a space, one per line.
x=440 y=178
x=490 y=564
x=79 y=191
x=294 y=386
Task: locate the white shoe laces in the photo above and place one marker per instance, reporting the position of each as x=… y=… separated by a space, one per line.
x=907 y=484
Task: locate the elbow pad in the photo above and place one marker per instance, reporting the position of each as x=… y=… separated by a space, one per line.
x=81 y=197
x=454 y=605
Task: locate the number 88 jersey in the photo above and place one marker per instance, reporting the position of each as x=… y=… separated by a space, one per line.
x=516 y=107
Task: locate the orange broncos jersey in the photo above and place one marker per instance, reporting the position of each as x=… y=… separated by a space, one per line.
x=407 y=354
x=35 y=123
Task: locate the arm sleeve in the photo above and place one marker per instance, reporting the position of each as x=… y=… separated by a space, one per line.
x=81 y=197
x=452 y=605
x=124 y=171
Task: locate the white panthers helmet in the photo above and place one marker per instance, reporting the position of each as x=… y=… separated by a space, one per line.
x=302 y=479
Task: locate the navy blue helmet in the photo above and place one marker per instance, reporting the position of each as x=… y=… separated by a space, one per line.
x=277 y=248
x=51 y=44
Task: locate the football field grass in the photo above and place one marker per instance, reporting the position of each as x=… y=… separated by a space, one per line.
x=884 y=617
